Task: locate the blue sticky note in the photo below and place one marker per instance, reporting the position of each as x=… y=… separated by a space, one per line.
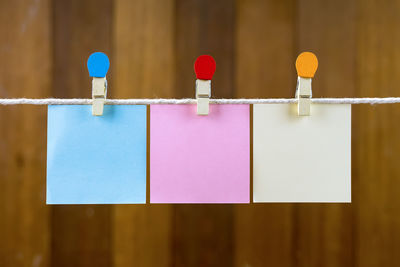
x=96 y=159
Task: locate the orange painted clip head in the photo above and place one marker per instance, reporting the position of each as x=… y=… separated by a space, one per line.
x=306 y=65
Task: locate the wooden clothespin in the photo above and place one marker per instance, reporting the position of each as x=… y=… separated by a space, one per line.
x=204 y=68
x=98 y=64
x=306 y=66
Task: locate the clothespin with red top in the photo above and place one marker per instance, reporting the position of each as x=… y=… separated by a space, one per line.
x=204 y=68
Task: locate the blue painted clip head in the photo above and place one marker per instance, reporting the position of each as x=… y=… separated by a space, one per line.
x=98 y=64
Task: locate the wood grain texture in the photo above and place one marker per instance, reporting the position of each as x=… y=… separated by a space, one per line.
x=144 y=67
x=328 y=29
x=144 y=48
x=81 y=234
x=377 y=136
x=265 y=68
x=79 y=29
x=265 y=49
x=25 y=71
x=205 y=27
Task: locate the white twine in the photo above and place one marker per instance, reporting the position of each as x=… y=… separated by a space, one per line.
x=79 y=101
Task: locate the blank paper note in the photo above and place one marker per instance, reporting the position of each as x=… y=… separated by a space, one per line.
x=96 y=159
x=199 y=159
x=302 y=158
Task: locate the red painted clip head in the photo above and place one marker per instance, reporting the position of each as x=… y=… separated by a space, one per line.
x=204 y=67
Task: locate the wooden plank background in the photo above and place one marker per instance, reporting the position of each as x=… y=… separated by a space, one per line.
x=152 y=45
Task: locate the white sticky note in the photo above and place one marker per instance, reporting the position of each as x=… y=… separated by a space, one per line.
x=301 y=158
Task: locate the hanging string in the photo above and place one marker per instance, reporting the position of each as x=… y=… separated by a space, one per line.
x=79 y=101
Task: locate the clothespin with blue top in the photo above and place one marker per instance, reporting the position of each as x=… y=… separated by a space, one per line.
x=98 y=64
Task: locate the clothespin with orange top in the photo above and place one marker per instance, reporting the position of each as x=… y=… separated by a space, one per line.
x=306 y=66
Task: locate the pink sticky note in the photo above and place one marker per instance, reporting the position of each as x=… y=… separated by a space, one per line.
x=199 y=159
